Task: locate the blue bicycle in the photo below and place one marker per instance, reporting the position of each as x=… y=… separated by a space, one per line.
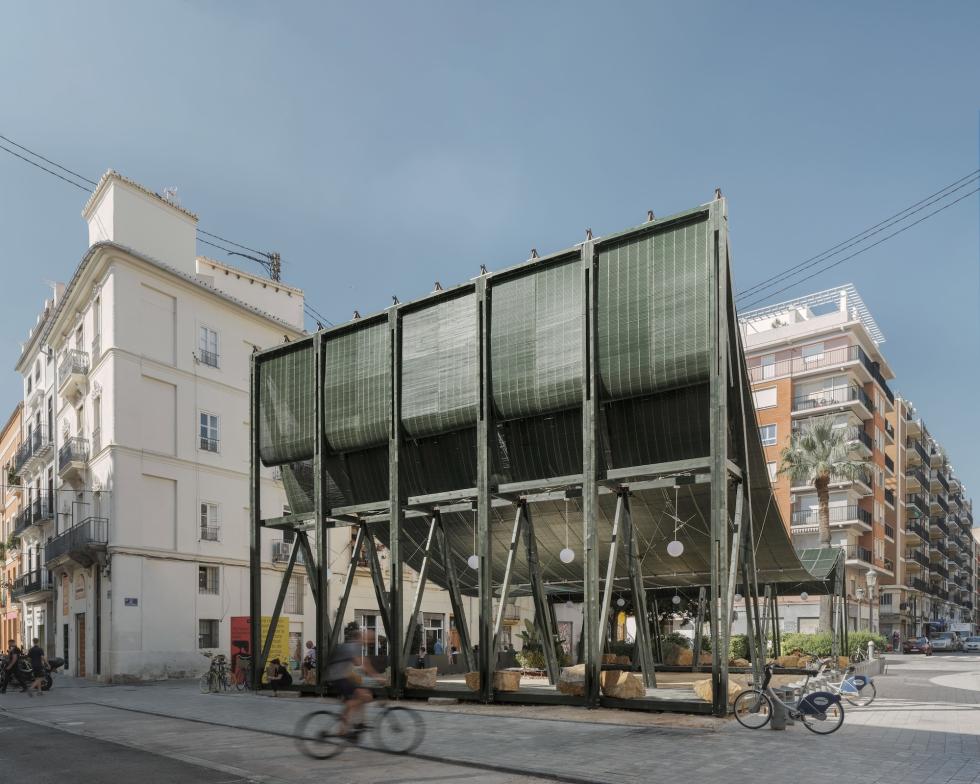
x=820 y=711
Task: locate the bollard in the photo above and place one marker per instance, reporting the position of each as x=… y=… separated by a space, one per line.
x=871 y=650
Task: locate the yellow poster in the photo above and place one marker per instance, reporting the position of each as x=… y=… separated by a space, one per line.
x=280 y=639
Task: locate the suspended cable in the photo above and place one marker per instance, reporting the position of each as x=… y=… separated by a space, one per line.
x=857 y=239
x=862 y=250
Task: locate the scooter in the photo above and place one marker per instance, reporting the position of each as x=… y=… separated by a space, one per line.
x=25 y=673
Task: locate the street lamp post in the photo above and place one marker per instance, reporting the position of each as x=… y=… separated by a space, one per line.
x=859 y=595
x=871 y=578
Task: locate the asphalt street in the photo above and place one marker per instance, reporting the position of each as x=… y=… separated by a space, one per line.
x=924 y=727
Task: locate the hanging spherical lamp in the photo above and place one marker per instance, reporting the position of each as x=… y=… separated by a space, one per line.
x=620 y=602
x=804 y=596
x=676 y=599
x=567 y=555
x=473 y=562
x=738 y=597
x=675 y=548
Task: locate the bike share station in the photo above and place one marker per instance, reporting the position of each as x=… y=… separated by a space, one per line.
x=577 y=429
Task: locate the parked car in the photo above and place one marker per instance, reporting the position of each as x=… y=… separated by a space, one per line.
x=919 y=645
x=947 y=641
x=972 y=644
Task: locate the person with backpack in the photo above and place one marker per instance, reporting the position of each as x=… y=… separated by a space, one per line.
x=12 y=668
x=342 y=676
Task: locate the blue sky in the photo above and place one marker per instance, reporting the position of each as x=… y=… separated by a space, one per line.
x=382 y=146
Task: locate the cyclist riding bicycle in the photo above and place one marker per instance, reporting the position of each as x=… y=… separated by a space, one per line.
x=342 y=676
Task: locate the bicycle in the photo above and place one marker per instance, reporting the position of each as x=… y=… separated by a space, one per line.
x=398 y=729
x=242 y=676
x=216 y=678
x=820 y=711
x=858 y=690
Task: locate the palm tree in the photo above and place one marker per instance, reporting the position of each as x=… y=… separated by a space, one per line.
x=820 y=453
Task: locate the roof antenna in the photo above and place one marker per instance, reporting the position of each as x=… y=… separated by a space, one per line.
x=394 y=300
x=588 y=234
x=357 y=314
x=717 y=193
x=438 y=286
x=650 y=216
x=483 y=269
x=534 y=253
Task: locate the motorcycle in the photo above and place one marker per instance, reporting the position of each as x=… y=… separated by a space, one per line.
x=24 y=674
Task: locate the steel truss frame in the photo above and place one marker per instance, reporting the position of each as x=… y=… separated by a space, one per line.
x=731 y=536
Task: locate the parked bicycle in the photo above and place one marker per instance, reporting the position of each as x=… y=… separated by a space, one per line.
x=396 y=729
x=820 y=711
x=216 y=678
x=242 y=676
x=858 y=690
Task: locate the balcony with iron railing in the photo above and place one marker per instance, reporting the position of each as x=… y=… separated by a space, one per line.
x=889 y=430
x=858 y=553
x=919 y=557
x=73 y=458
x=30 y=583
x=935 y=590
x=939 y=477
x=835 y=397
x=920 y=585
x=913 y=528
x=839 y=515
x=916 y=505
x=209 y=533
x=940 y=569
x=889 y=531
x=73 y=372
x=889 y=496
x=916 y=452
x=936 y=500
x=80 y=543
x=889 y=464
x=916 y=480
x=937 y=546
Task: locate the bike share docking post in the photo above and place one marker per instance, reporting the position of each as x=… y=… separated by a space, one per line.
x=780 y=716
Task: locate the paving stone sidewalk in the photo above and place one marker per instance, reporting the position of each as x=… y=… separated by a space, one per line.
x=917 y=731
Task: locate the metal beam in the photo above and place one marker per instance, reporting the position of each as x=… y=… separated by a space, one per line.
x=377 y=578
x=515 y=539
x=419 y=589
x=699 y=631
x=456 y=597
x=590 y=474
x=484 y=546
x=542 y=614
x=338 y=622
x=718 y=429
x=658 y=652
x=310 y=564
x=396 y=506
x=642 y=645
x=610 y=576
x=277 y=612
x=255 y=523
x=777 y=638
x=322 y=562
x=766 y=601
x=738 y=547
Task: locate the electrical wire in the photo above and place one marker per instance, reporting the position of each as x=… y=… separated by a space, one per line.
x=857 y=239
x=862 y=250
x=48 y=160
x=44 y=168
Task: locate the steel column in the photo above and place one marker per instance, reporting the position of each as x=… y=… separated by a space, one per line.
x=420 y=588
x=698 y=631
x=255 y=525
x=338 y=622
x=658 y=650
x=320 y=506
x=590 y=471
x=484 y=469
x=642 y=645
x=763 y=640
x=455 y=597
x=277 y=612
x=397 y=507
x=542 y=615
x=777 y=637
x=378 y=579
x=610 y=575
x=515 y=539
x=718 y=390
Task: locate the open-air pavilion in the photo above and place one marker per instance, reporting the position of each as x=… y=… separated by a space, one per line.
x=594 y=401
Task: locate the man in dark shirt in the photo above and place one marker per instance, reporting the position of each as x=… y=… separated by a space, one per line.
x=39 y=663
x=11 y=669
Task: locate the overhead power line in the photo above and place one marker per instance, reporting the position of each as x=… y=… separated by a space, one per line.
x=312 y=312
x=857 y=239
x=862 y=250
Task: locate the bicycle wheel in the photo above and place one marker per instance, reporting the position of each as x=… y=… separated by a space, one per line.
x=318 y=735
x=399 y=729
x=206 y=683
x=241 y=680
x=753 y=709
x=862 y=698
x=824 y=723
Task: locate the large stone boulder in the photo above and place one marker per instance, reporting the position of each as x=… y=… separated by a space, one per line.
x=420 y=678
x=788 y=661
x=739 y=663
x=704 y=691
x=506 y=680
x=473 y=681
x=622 y=685
x=572 y=680
x=685 y=657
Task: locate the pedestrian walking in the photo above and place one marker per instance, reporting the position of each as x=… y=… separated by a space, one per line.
x=39 y=663
x=12 y=668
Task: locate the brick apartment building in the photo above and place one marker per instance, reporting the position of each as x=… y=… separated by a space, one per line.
x=10 y=503
x=905 y=522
